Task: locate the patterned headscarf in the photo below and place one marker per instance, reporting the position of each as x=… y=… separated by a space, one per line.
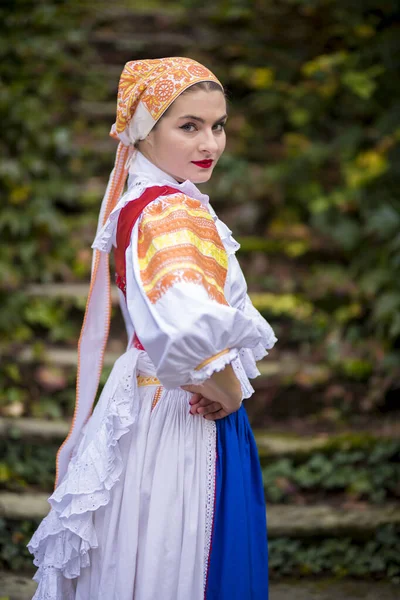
x=147 y=88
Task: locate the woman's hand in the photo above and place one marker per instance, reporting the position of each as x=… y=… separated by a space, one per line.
x=206 y=408
x=223 y=389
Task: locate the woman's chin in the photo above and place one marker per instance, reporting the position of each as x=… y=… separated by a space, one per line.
x=202 y=178
x=195 y=178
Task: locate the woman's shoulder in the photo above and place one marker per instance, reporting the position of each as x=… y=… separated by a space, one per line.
x=177 y=198
x=177 y=205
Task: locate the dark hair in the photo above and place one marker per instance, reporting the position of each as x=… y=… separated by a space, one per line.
x=206 y=86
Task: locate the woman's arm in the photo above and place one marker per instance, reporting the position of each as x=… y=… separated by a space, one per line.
x=176 y=272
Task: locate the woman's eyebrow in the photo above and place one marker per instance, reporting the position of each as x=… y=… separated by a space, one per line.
x=202 y=120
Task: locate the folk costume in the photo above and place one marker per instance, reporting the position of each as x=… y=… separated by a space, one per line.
x=150 y=501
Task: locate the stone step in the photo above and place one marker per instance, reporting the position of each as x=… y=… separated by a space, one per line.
x=334 y=590
x=287 y=366
x=279 y=363
x=78 y=291
x=34 y=430
x=60 y=357
x=283 y=520
x=270 y=445
x=22 y=587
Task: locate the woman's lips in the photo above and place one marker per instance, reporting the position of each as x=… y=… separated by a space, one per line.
x=204 y=164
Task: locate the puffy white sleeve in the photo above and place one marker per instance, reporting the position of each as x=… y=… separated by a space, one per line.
x=176 y=275
x=242 y=301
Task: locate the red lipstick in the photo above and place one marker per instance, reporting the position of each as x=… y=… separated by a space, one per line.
x=204 y=164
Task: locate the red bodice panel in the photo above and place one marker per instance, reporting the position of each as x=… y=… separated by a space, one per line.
x=126 y=221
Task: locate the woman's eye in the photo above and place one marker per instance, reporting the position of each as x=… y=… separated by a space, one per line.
x=187 y=125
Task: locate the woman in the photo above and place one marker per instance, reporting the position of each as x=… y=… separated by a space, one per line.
x=158 y=491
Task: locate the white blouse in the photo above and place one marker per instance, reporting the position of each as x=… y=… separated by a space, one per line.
x=186 y=295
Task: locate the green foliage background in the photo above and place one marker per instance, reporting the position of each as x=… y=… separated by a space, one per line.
x=309 y=184
x=309 y=180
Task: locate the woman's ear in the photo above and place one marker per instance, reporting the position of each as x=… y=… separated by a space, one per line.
x=141 y=145
x=149 y=139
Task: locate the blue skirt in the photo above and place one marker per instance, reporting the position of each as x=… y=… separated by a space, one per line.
x=238 y=560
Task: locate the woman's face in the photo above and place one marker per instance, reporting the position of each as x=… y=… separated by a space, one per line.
x=192 y=130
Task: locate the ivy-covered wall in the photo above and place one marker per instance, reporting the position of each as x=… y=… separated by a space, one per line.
x=309 y=181
x=309 y=184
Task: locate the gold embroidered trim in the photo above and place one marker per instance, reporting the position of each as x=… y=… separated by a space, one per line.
x=147 y=380
x=208 y=360
x=157 y=396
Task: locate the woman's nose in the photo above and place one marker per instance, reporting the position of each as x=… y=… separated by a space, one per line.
x=209 y=142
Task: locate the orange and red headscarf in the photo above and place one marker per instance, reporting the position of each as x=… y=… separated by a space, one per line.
x=147 y=88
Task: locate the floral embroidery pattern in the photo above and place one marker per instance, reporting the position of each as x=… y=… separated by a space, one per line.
x=164 y=89
x=198 y=70
x=178 y=241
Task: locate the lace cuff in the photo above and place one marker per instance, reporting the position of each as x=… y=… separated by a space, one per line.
x=267 y=333
x=219 y=362
x=249 y=356
x=241 y=374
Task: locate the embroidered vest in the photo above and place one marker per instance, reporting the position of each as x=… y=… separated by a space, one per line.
x=126 y=221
